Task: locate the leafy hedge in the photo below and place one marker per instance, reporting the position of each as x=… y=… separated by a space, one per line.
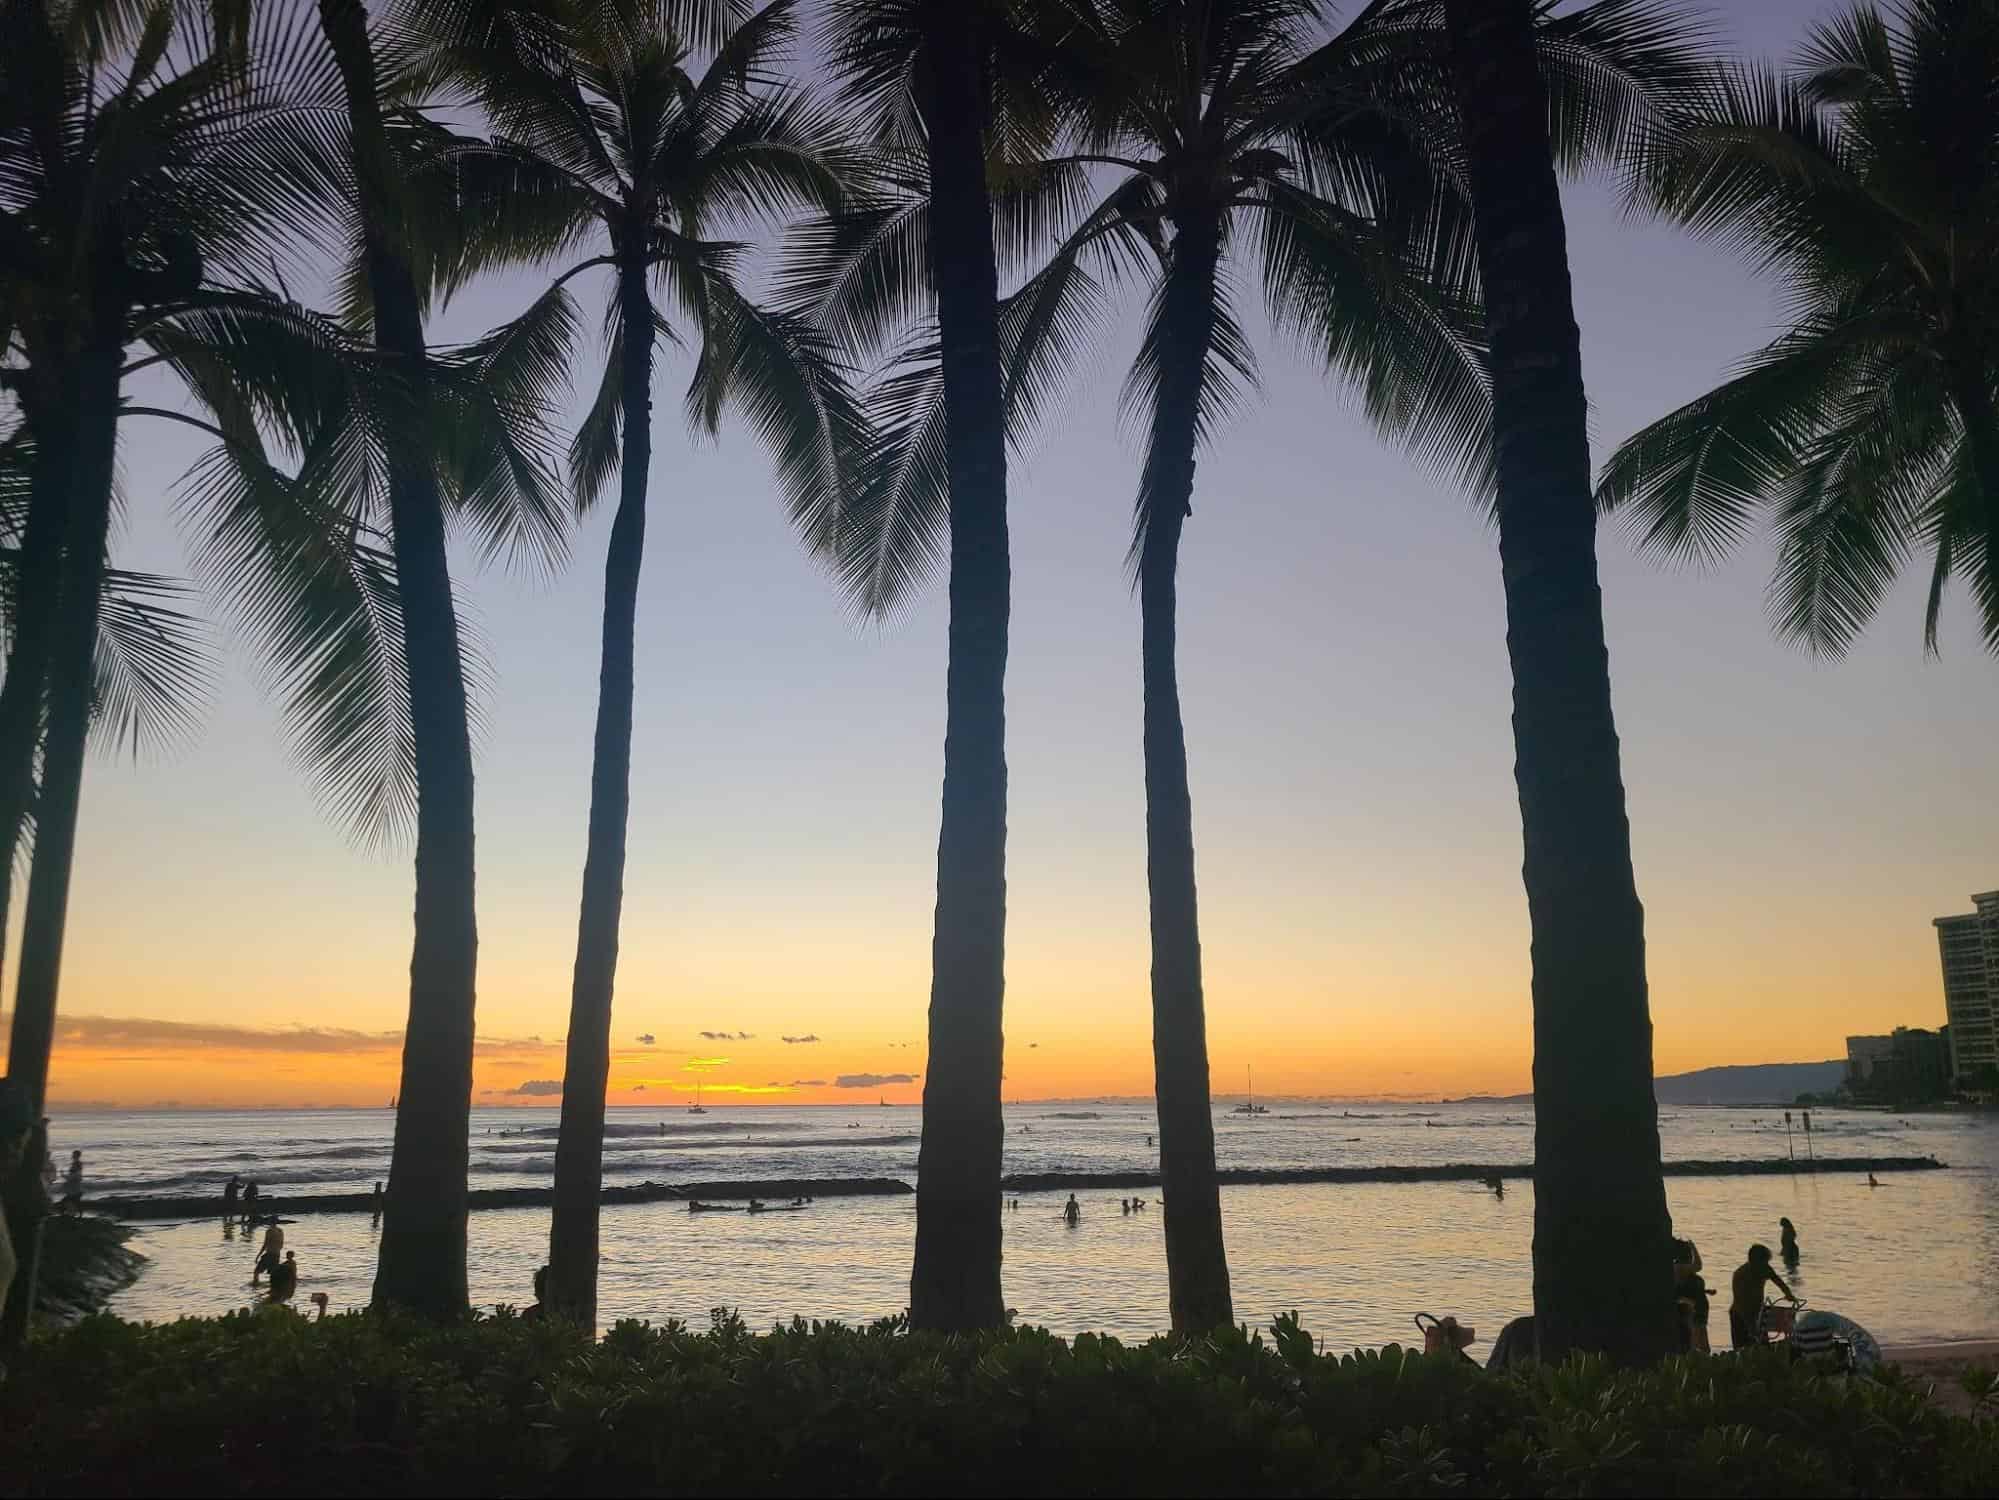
x=272 y=1404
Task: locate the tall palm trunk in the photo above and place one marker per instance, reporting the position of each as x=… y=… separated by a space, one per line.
x=955 y=1281
x=579 y=1150
x=93 y=433
x=51 y=414
x=1596 y=1133
x=1197 y=1269
x=422 y=1260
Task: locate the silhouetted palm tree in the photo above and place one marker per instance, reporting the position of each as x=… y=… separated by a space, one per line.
x=156 y=164
x=1596 y=1135
x=924 y=73
x=1867 y=178
x=599 y=121
x=1206 y=121
x=414 y=238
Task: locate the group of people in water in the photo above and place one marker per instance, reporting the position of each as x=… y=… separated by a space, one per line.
x=241 y=1204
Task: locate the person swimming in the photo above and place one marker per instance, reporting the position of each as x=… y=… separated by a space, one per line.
x=1072 y=1214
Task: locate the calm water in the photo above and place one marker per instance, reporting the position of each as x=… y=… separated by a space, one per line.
x=1915 y=1259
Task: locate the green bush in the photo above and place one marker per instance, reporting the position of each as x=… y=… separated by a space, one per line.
x=271 y=1404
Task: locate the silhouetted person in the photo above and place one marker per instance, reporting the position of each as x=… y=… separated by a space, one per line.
x=72 y=1183
x=535 y=1310
x=1071 y=1213
x=1745 y=1308
x=250 y=1200
x=267 y=1254
x=1125 y=1204
x=284 y=1278
x=1691 y=1294
x=1787 y=1242
x=231 y=1191
x=17 y=1143
x=375 y=1203
x=1870 y=1180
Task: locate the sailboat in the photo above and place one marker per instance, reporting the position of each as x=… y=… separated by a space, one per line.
x=1251 y=1107
x=695 y=1108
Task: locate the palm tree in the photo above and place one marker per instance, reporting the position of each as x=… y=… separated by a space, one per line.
x=926 y=71
x=422 y=1259
x=1209 y=122
x=1596 y=1134
x=1869 y=430
x=598 y=120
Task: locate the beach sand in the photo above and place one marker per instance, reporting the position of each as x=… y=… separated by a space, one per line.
x=1941 y=1364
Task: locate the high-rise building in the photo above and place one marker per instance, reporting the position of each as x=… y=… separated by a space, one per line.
x=1865 y=1054
x=1969 y=945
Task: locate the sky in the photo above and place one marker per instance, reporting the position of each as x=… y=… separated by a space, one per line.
x=1796 y=823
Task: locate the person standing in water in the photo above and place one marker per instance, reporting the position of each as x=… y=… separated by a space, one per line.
x=250 y=1201
x=267 y=1256
x=1787 y=1242
x=284 y=1278
x=1071 y=1213
x=231 y=1191
x=72 y=1183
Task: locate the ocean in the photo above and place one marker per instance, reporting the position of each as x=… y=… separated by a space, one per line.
x=1914 y=1259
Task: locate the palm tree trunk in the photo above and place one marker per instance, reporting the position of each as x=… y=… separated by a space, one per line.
x=1197 y=1269
x=955 y=1281
x=50 y=413
x=1596 y=1136
x=422 y=1261
x=579 y=1150
x=72 y=652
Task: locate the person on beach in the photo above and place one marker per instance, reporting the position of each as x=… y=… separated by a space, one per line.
x=231 y=1191
x=268 y=1253
x=1691 y=1293
x=284 y=1278
x=72 y=1184
x=1787 y=1242
x=1745 y=1308
x=375 y=1203
x=1072 y=1214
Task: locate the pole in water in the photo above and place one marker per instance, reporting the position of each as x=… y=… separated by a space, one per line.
x=1810 y=1155
x=1789 y=1149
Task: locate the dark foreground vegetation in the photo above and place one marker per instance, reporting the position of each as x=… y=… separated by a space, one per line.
x=272 y=1404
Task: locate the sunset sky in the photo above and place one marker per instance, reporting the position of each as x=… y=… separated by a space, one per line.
x=1796 y=823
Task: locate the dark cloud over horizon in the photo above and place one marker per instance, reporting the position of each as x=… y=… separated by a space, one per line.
x=646 y=1038
x=871 y=1080
x=808 y=1083
x=729 y=1036
x=799 y=1040
x=534 y=1087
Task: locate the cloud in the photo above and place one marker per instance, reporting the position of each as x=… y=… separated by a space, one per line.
x=773 y=1084
x=707 y=1062
x=646 y=1038
x=729 y=1036
x=798 y=1040
x=1034 y=1044
x=638 y=1088
x=537 y=1087
x=871 y=1080
x=808 y=1083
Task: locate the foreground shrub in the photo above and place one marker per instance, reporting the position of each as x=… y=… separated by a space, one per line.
x=271 y=1404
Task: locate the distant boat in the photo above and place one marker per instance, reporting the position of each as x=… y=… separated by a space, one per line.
x=695 y=1108
x=1251 y=1107
x=884 y=1102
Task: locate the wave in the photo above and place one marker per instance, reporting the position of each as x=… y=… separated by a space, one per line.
x=1072 y=1114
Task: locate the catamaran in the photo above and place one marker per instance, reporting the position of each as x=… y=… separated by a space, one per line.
x=695 y=1108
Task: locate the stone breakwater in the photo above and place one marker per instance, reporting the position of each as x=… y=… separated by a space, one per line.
x=782 y=1190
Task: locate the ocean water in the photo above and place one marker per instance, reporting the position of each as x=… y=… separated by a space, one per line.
x=1917 y=1258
